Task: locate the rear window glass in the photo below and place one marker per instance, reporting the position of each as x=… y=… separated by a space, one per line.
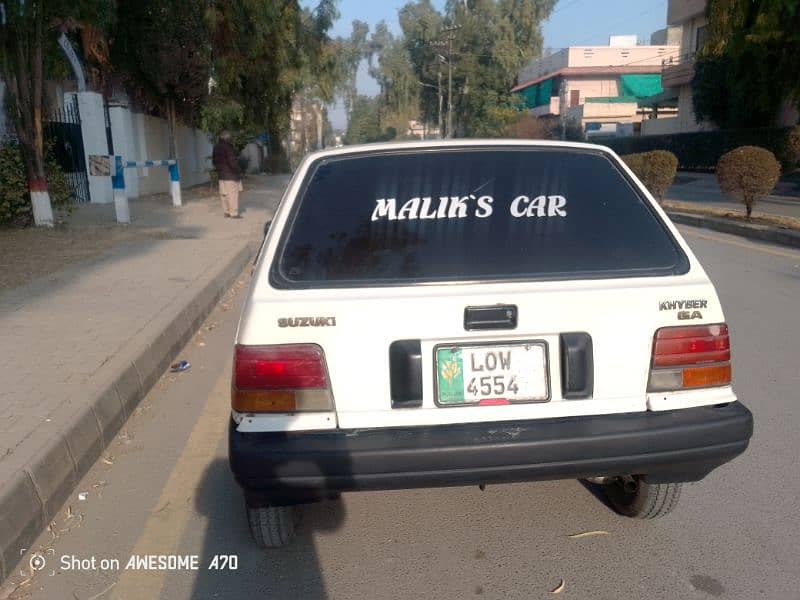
x=466 y=215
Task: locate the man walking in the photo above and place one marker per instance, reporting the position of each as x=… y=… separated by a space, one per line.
x=229 y=175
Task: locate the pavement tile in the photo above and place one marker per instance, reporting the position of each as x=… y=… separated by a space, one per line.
x=70 y=340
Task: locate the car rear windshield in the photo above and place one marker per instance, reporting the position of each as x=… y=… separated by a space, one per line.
x=478 y=214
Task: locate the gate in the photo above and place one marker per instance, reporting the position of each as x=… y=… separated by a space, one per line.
x=63 y=131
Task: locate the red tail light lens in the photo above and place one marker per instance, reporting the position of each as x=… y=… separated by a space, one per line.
x=280 y=367
x=690 y=357
x=281 y=378
x=691 y=345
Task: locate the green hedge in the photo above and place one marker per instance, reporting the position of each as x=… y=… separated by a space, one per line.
x=15 y=201
x=700 y=151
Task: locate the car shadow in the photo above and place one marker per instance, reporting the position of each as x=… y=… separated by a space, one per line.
x=290 y=572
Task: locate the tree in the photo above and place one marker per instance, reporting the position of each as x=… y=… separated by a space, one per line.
x=28 y=32
x=493 y=39
x=364 y=124
x=422 y=25
x=264 y=69
x=390 y=66
x=744 y=33
x=351 y=52
x=748 y=173
x=163 y=48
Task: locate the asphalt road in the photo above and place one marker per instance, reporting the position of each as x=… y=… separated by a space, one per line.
x=164 y=487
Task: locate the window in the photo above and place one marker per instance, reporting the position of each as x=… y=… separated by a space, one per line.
x=701 y=37
x=574 y=97
x=470 y=214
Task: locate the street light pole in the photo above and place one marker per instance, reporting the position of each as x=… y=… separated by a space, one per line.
x=449 y=87
x=439 y=88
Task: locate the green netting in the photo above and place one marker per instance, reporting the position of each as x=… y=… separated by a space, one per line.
x=611 y=99
x=529 y=95
x=537 y=94
x=640 y=86
x=545 y=91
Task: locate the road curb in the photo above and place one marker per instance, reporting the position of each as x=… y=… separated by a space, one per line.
x=62 y=450
x=763 y=233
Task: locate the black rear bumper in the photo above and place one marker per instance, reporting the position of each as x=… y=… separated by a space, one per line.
x=671 y=446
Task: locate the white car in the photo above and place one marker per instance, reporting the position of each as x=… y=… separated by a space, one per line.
x=476 y=312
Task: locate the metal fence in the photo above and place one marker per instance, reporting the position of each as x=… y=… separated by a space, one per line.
x=62 y=132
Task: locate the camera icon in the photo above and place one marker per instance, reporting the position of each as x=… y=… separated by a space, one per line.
x=37 y=562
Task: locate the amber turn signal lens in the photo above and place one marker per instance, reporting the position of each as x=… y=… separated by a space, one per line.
x=695 y=377
x=258 y=401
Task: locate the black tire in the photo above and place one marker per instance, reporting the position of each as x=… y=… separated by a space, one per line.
x=641 y=500
x=271 y=526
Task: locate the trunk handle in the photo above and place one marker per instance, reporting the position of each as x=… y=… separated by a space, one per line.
x=497 y=316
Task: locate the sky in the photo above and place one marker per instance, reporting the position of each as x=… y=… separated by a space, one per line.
x=572 y=23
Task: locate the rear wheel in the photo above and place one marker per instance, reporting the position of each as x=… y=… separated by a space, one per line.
x=271 y=526
x=633 y=497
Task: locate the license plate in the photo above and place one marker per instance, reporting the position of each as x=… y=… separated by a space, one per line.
x=491 y=374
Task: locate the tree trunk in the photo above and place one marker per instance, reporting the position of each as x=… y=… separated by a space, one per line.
x=318 y=114
x=24 y=72
x=748 y=205
x=171 y=122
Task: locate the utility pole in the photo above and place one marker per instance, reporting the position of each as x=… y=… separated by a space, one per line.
x=448 y=41
x=439 y=91
x=451 y=36
x=562 y=107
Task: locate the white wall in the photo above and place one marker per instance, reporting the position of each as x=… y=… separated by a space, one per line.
x=661 y=126
x=93 y=130
x=144 y=137
x=590 y=87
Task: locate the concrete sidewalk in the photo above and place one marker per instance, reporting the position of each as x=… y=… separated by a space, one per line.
x=82 y=346
x=703 y=189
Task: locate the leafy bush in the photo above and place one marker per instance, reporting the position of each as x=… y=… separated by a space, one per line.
x=15 y=205
x=748 y=173
x=701 y=150
x=528 y=127
x=15 y=201
x=655 y=169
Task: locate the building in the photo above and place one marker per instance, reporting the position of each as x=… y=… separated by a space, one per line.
x=689 y=17
x=306 y=127
x=669 y=36
x=422 y=131
x=601 y=87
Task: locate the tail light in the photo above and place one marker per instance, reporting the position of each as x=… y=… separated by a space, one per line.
x=684 y=358
x=286 y=378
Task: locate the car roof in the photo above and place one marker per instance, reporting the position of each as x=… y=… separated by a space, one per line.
x=459 y=143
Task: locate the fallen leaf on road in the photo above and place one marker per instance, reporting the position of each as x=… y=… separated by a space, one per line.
x=558 y=589
x=585 y=534
x=96 y=596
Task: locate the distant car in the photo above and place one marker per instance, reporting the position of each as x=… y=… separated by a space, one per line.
x=476 y=312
